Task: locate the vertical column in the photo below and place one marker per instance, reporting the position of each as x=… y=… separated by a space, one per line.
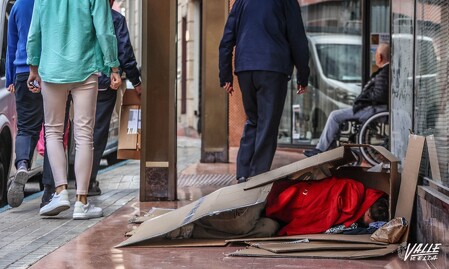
x=158 y=157
x=366 y=37
x=214 y=101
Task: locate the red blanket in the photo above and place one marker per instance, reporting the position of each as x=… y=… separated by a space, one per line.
x=315 y=206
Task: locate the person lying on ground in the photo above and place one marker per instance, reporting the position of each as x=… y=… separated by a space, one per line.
x=297 y=207
x=310 y=207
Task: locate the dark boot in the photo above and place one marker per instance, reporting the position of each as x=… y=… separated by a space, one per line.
x=312 y=152
x=94 y=188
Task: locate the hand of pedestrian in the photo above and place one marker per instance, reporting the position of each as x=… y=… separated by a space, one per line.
x=34 y=80
x=138 y=89
x=116 y=81
x=301 y=89
x=11 y=88
x=228 y=87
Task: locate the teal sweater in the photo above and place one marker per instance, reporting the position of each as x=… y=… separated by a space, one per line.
x=71 y=40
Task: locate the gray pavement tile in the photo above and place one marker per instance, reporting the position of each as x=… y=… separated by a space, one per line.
x=26 y=237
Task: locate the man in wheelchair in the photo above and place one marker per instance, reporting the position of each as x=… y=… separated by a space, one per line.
x=373 y=99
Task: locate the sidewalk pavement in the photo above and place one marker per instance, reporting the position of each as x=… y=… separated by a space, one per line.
x=60 y=242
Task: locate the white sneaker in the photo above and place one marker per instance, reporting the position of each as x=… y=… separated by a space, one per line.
x=58 y=203
x=87 y=211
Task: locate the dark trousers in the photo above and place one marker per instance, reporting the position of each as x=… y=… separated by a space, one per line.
x=105 y=106
x=47 y=176
x=30 y=115
x=263 y=95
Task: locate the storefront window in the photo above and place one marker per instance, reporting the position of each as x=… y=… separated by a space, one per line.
x=431 y=111
x=335 y=45
x=402 y=72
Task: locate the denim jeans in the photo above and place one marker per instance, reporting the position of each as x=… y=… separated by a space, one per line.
x=337 y=117
x=30 y=116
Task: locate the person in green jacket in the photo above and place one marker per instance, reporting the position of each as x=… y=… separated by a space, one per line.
x=69 y=44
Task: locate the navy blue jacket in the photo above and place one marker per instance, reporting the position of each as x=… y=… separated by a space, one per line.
x=126 y=56
x=18 y=26
x=268 y=35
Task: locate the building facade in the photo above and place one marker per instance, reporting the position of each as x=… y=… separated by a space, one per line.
x=188 y=64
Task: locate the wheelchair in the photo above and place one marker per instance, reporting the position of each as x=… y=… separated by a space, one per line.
x=374 y=131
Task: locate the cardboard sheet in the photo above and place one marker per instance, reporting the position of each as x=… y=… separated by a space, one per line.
x=346 y=254
x=224 y=199
x=409 y=180
x=167 y=243
x=357 y=238
x=152 y=213
x=332 y=158
x=289 y=246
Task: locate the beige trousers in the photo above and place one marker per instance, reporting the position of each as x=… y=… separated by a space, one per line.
x=84 y=96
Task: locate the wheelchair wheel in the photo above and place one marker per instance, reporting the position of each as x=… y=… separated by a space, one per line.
x=375 y=131
x=358 y=157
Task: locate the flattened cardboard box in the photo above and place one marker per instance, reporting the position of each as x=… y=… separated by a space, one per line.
x=401 y=194
x=129 y=140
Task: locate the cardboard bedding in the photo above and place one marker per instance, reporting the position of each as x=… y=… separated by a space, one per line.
x=401 y=191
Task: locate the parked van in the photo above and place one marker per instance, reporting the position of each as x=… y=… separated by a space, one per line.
x=334 y=81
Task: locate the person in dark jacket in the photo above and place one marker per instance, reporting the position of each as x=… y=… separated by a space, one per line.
x=29 y=105
x=269 y=39
x=107 y=96
x=373 y=99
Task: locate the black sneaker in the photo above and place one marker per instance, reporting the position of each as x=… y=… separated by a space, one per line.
x=312 y=152
x=94 y=188
x=16 y=189
x=46 y=196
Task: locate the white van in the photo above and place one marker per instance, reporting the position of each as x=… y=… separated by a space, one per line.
x=334 y=81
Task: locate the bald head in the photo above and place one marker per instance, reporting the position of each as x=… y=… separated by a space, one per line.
x=382 y=54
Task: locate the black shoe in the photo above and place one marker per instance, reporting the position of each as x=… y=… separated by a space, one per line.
x=46 y=196
x=312 y=152
x=94 y=188
x=242 y=180
x=16 y=188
